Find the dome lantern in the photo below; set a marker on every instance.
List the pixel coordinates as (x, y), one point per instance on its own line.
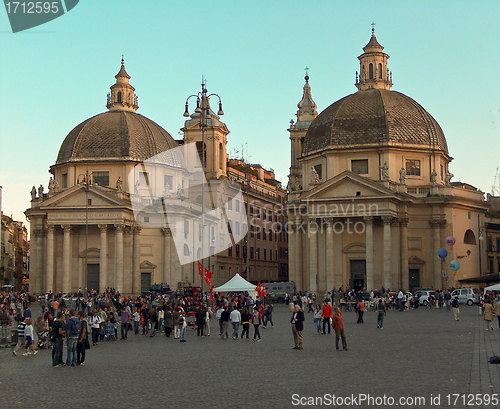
(307, 107)
(122, 96)
(373, 71)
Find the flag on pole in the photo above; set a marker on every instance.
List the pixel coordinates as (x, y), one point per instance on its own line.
(200, 269)
(258, 289)
(208, 277)
(263, 290)
(212, 293)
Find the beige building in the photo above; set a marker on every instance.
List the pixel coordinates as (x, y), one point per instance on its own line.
(128, 206)
(370, 198)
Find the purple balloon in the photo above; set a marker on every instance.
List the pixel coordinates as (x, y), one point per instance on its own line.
(450, 241)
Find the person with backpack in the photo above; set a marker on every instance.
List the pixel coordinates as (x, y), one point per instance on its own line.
(73, 330)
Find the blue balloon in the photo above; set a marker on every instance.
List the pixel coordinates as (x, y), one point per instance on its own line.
(442, 253)
(455, 265)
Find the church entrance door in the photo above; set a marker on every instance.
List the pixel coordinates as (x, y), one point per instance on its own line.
(414, 280)
(358, 275)
(93, 277)
(145, 282)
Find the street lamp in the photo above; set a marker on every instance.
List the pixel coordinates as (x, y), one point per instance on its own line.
(203, 108)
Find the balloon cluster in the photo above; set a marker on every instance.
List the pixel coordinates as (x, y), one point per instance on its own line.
(443, 253)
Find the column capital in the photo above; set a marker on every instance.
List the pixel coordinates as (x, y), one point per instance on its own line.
(119, 227)
(369, 219)
(437, 223)
(38, 232)
(136, 229)
(387, 219)
(66, 228)
(403, 221)
(49, 227)
(166, 231)
(102, 227)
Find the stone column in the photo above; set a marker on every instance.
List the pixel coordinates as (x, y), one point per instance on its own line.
(292, 237)
(167, 237)
(387, 220)
(330, 281)
(35, 274)
(39, 265)
(119, 258)
(436, 274)
(370, 280)
(103, 258)
(405, 272)
(66, 278)
(313, 256)
(136, 261)
(299, 268)
(49, 285)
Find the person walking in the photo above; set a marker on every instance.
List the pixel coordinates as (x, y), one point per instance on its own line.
(21, 339)
(28, 334)
(488, 311)
(169, 322)
(73, 330)
(297, 321)
(58, 339)
(125, 318)
(381, 313)
(361, 311)
(447, 300)
(268, 315)
(326, 314)
(224, 319)
(257, 322)
(338, 326)
(83, 339)
(235, 318)
(317, 318)
(176, 317)
(245, 322)
(182, 326)
(456, 310)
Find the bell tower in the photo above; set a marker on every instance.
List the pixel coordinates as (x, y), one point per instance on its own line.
(373, 71)
(122, 96)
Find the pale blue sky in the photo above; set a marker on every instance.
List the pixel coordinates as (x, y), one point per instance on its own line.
(443, 54)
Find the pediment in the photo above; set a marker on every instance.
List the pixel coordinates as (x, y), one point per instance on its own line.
(348, 185)
(147, 265)
(415, 260)
(77, 196)
(355, 248)
(90, 253)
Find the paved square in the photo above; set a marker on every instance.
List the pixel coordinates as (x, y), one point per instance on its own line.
(419, 353)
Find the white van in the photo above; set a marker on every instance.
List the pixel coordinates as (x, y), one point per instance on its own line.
(466, 295)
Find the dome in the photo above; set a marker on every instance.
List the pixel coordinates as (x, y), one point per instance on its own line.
(114, 136)
(374, 117)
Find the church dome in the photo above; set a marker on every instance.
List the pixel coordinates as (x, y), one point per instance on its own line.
(374, 117)
(119, 134)
(115, 135)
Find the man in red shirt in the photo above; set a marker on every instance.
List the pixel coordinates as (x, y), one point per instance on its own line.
(361, 311)
(326, 314)
(338, 326)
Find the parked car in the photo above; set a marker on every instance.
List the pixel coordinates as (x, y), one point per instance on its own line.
(466, 295)
(425, 297)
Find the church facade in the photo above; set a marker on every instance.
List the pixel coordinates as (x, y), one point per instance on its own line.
(371, 199)
(128, 206)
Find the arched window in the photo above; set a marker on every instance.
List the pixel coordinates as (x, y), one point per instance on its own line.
(469, 237)
(380, 71)
(370, 71)
(221, 156)
(119, 96)
(186, 250)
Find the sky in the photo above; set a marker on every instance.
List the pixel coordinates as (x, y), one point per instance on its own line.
(443, 54)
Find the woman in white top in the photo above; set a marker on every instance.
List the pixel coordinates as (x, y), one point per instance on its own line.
(95, 323)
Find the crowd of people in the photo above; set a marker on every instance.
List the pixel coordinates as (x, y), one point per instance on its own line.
(80, 319)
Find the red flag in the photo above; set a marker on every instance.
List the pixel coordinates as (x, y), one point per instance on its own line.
(200, 268)
(263, 291)
(212, 293)
(258, 289)
(208, 277)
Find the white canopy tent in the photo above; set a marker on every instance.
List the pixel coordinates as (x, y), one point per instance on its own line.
(237, 283)
(495, 287)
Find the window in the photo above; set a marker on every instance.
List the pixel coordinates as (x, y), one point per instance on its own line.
(199, 232)
(258, 232)
(245, 252)
(251, 252)
(380, 71)
(186, 250)
(168, 180)
(230, 205)
(144, 178)
(270, 235)
(64, 180)
(146, 219)
(119, 96)
(319, 170)
(359, 166)
(237, 227)
(276, 255)
(257, 253)
(265, 252)
(237, 206)
(264, 235)
(469, 237)
(370, 70)
(230, 252)
(270, 255)
(101, 178)
(186, 228)
(412, 167)
(270, 215)
(442, 172)
(491, 263)
(230, 227)
(237, 250)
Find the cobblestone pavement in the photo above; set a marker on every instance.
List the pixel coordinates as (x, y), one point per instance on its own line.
(419, 353)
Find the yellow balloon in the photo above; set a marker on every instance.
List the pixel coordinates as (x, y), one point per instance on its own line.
(454, 273)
